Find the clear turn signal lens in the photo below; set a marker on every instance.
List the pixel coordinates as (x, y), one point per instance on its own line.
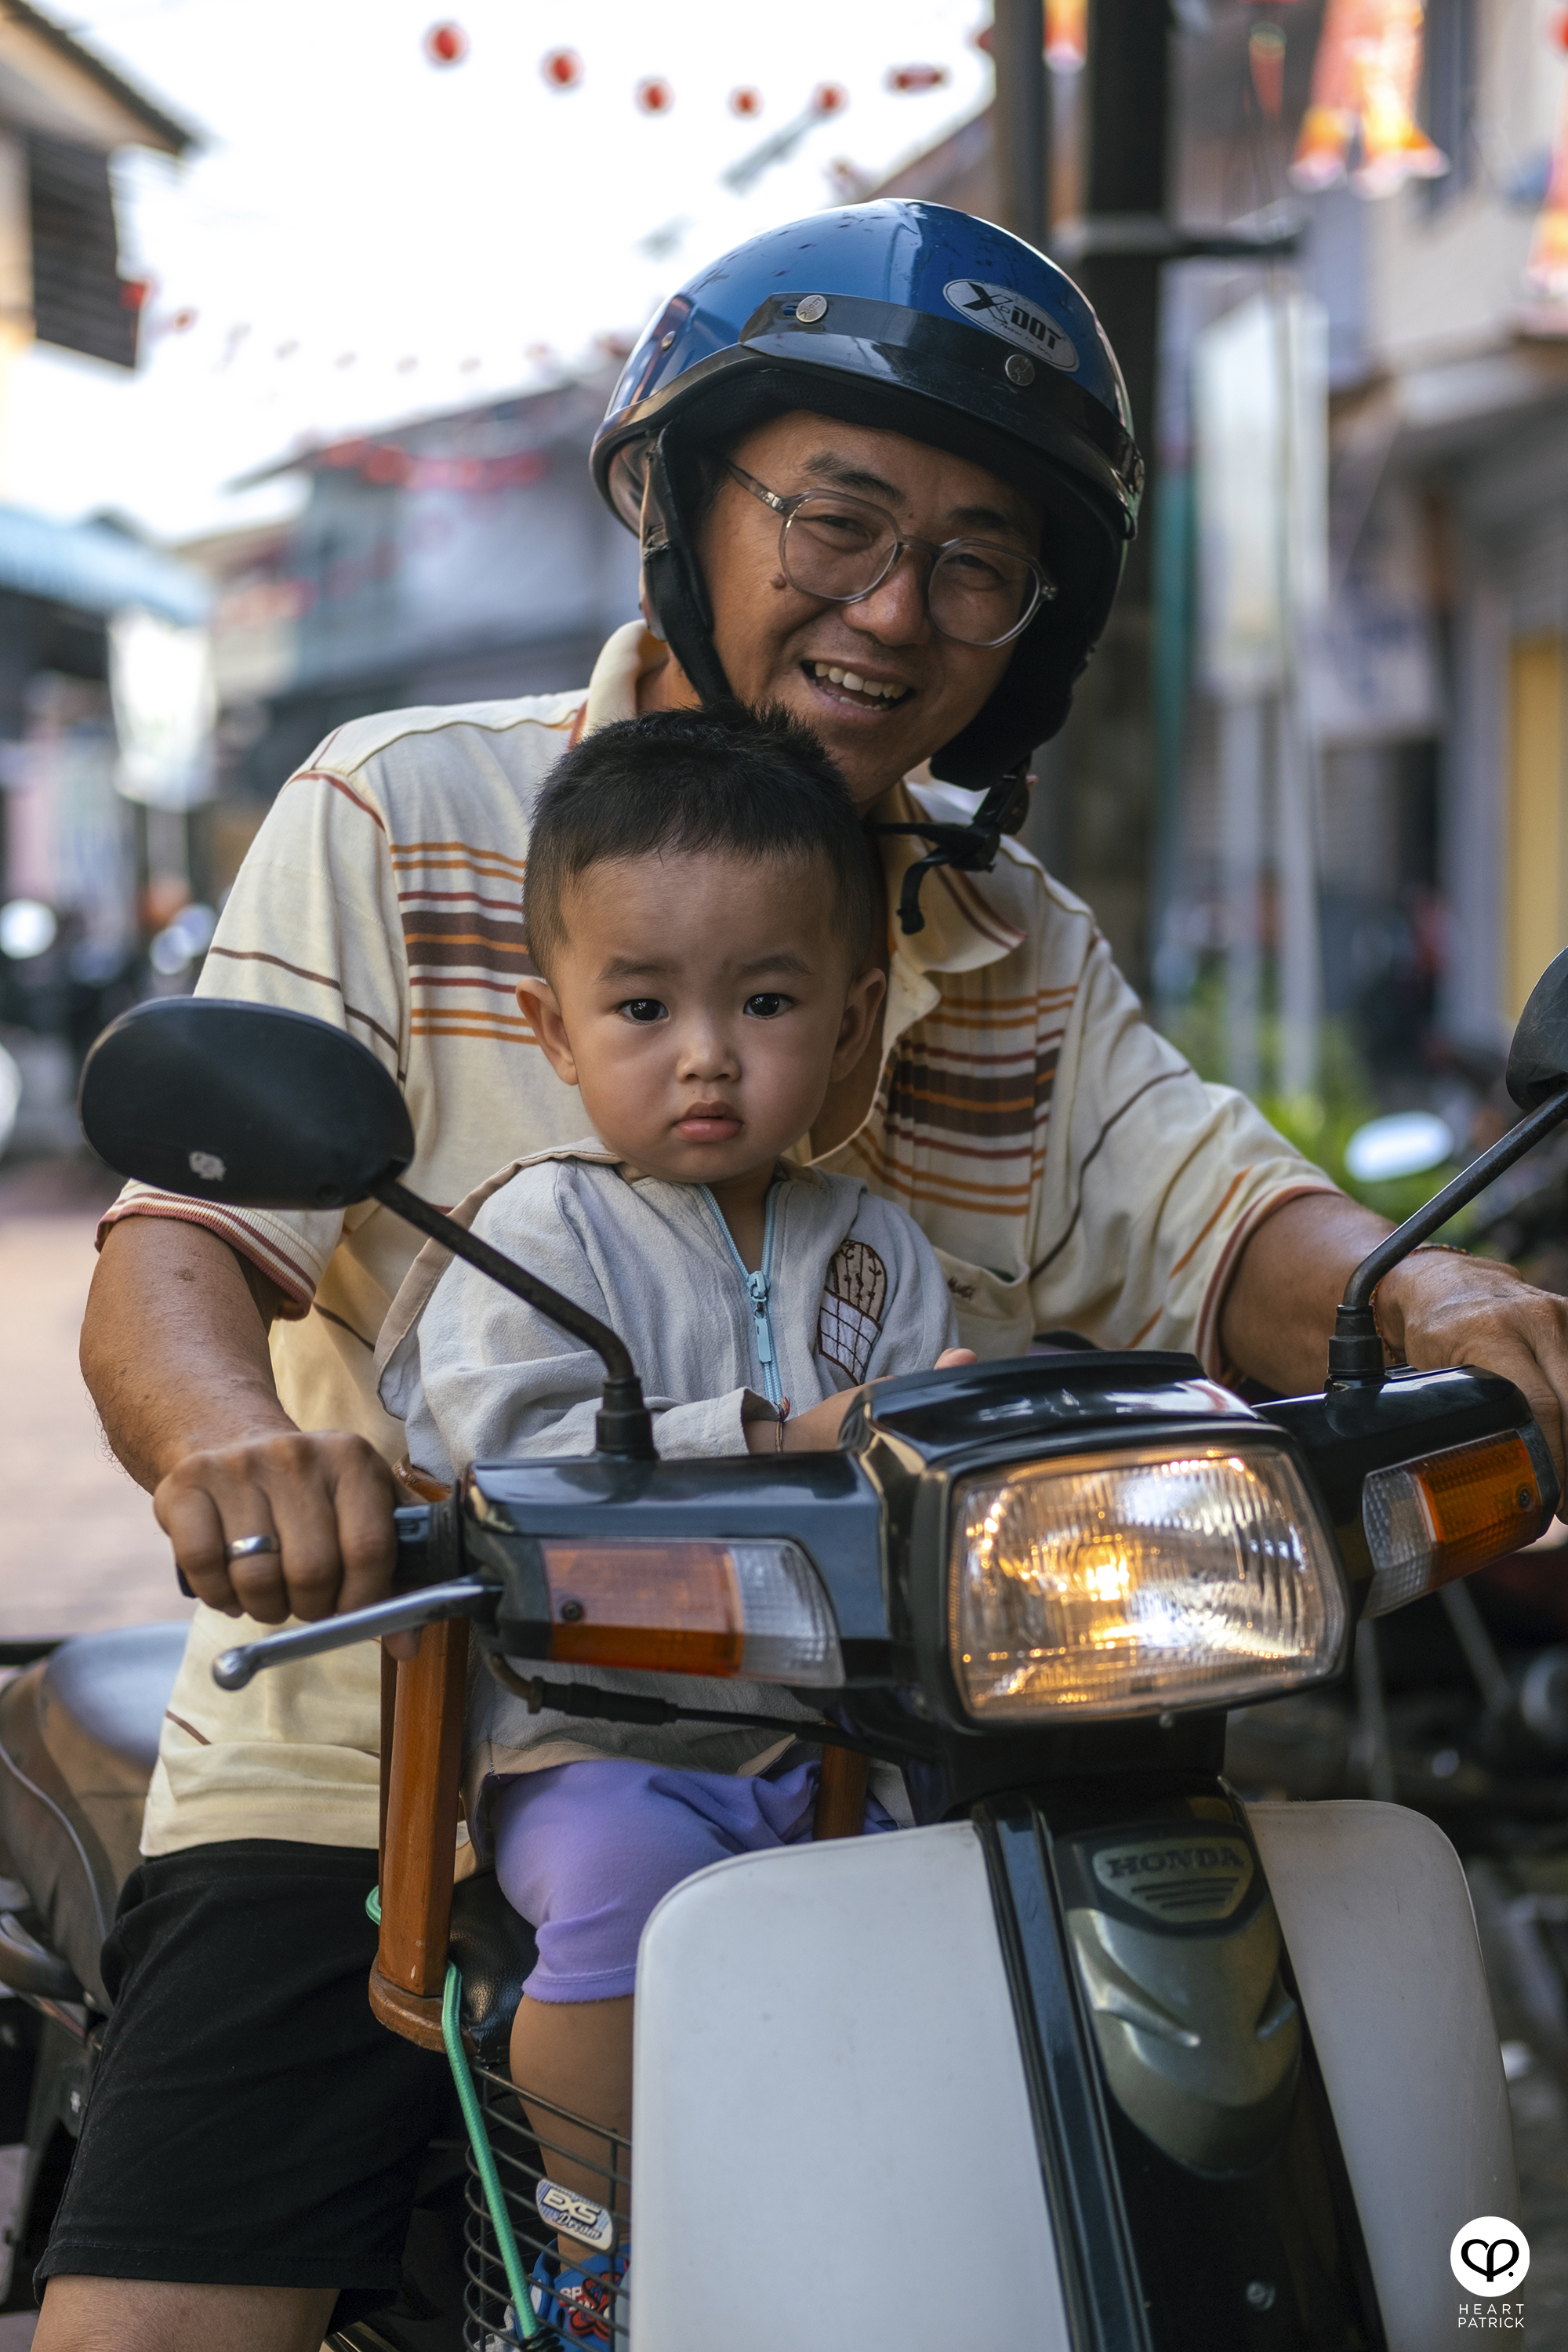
(1128, 1582)
(697, 1608)
(1430, 1521)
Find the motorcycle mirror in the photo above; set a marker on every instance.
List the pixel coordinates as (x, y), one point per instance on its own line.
(1537, 1058)
(261, 1108)
(243, 1104)
(1538, 1081)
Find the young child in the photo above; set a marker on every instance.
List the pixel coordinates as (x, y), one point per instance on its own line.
(701, 904)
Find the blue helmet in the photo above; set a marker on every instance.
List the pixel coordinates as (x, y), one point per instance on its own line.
(931, 323)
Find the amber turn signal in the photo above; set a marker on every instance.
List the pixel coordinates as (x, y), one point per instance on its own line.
(702, 1607)
(1429, 1521)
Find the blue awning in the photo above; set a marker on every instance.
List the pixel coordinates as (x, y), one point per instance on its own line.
(95, 568)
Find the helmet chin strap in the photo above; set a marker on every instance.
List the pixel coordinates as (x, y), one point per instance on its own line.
(674, 585)
(971, 847)
(678, 597)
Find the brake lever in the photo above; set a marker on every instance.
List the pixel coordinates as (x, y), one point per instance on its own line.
(467, 1596)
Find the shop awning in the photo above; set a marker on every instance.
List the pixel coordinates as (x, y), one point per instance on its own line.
(95, 568)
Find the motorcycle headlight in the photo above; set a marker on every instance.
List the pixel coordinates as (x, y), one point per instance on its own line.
(1121, 1583)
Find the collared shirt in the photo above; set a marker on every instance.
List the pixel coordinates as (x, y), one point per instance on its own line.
(1067, 1165)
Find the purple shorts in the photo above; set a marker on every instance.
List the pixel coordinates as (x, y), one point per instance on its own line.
(583, 1852)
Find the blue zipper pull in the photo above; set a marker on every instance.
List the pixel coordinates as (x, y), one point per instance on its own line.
(757, 1285)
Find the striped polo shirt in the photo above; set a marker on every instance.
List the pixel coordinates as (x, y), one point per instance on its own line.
(1067, 1165)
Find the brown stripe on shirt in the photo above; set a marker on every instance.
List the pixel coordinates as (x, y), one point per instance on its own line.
(435, 936)
(456, 899)
(967, 1105)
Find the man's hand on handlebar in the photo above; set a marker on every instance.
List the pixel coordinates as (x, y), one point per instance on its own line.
(174, 1352)
(1442, 1309)
(327, 1498)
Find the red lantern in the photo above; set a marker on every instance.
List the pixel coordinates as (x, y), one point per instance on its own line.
(745, 101)
(1559, 31)
(916, 77)
(561, 68)
(655, 95)
(446, 44)
(829, 98)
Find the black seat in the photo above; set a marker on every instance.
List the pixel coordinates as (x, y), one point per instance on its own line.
(78, 1738)
(494, 1951)
(112, 1689)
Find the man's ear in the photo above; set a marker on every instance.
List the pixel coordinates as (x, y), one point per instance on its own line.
(861, 1007)
(536, 1002)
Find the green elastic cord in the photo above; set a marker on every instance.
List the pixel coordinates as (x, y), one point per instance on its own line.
(528, 2319)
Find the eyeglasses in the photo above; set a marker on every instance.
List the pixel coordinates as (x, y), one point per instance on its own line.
(842, 549)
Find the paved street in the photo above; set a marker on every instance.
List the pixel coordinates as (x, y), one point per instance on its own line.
(78, 1545)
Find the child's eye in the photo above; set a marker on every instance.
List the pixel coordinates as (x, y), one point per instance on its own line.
(642, 1008)
(767, 1006)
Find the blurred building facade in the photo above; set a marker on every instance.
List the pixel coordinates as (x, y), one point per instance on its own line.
(76, 853)
(1432, 787)
(462, 558)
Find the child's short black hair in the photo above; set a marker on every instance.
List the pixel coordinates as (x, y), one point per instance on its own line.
(749, 785)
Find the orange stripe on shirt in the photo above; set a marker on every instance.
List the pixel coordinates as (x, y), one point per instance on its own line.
(1204, 1232)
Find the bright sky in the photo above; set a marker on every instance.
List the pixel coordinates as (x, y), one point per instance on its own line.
(367, 236)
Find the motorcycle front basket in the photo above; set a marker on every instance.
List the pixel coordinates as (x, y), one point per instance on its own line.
(527, 2158)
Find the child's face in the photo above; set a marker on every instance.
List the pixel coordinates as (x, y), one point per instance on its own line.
(702, 1005)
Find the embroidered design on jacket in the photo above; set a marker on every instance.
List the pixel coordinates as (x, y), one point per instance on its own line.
(850, 1321)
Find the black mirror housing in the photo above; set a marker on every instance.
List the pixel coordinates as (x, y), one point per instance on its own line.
(243, 1104)
(1537, 1058)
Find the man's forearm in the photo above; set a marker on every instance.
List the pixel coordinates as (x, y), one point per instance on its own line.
(174, 1345)
(1279, 1312)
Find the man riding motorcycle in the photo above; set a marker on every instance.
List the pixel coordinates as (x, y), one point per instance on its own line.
(823, 441)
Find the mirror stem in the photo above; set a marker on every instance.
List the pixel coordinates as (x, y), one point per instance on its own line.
(625, 1428)
(1355, 1352)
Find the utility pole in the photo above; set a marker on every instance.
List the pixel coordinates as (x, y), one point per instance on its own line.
(1095, 815)
(1126, 235)
(1099, 821)
(1022, 118)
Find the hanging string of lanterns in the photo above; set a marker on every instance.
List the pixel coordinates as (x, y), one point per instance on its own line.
(446, 44)
(390, 466)
(561, 69)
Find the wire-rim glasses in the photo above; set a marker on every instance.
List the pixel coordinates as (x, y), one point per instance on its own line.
(842, 549)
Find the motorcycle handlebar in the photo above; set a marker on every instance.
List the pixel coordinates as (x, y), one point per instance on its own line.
(467, 1596)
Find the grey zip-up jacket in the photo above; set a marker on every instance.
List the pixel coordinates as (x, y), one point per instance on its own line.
(849, 1290)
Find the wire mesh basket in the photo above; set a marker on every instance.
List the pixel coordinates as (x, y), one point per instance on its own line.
(530, 2150)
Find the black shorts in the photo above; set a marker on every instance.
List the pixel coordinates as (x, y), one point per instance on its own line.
(250, 2123)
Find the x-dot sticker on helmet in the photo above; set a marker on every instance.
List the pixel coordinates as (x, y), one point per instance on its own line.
(1002, 312)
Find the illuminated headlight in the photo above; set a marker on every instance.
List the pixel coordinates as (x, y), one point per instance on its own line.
(1127, 1583)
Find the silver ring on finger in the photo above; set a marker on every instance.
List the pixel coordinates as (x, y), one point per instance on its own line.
(251, 1547)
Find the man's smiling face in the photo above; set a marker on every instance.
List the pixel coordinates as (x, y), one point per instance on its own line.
(876, 683)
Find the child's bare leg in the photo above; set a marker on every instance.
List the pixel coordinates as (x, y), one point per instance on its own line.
(577, 2055)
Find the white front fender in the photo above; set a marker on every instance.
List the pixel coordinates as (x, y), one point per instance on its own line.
(833, 2143)
(1377, 1920)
